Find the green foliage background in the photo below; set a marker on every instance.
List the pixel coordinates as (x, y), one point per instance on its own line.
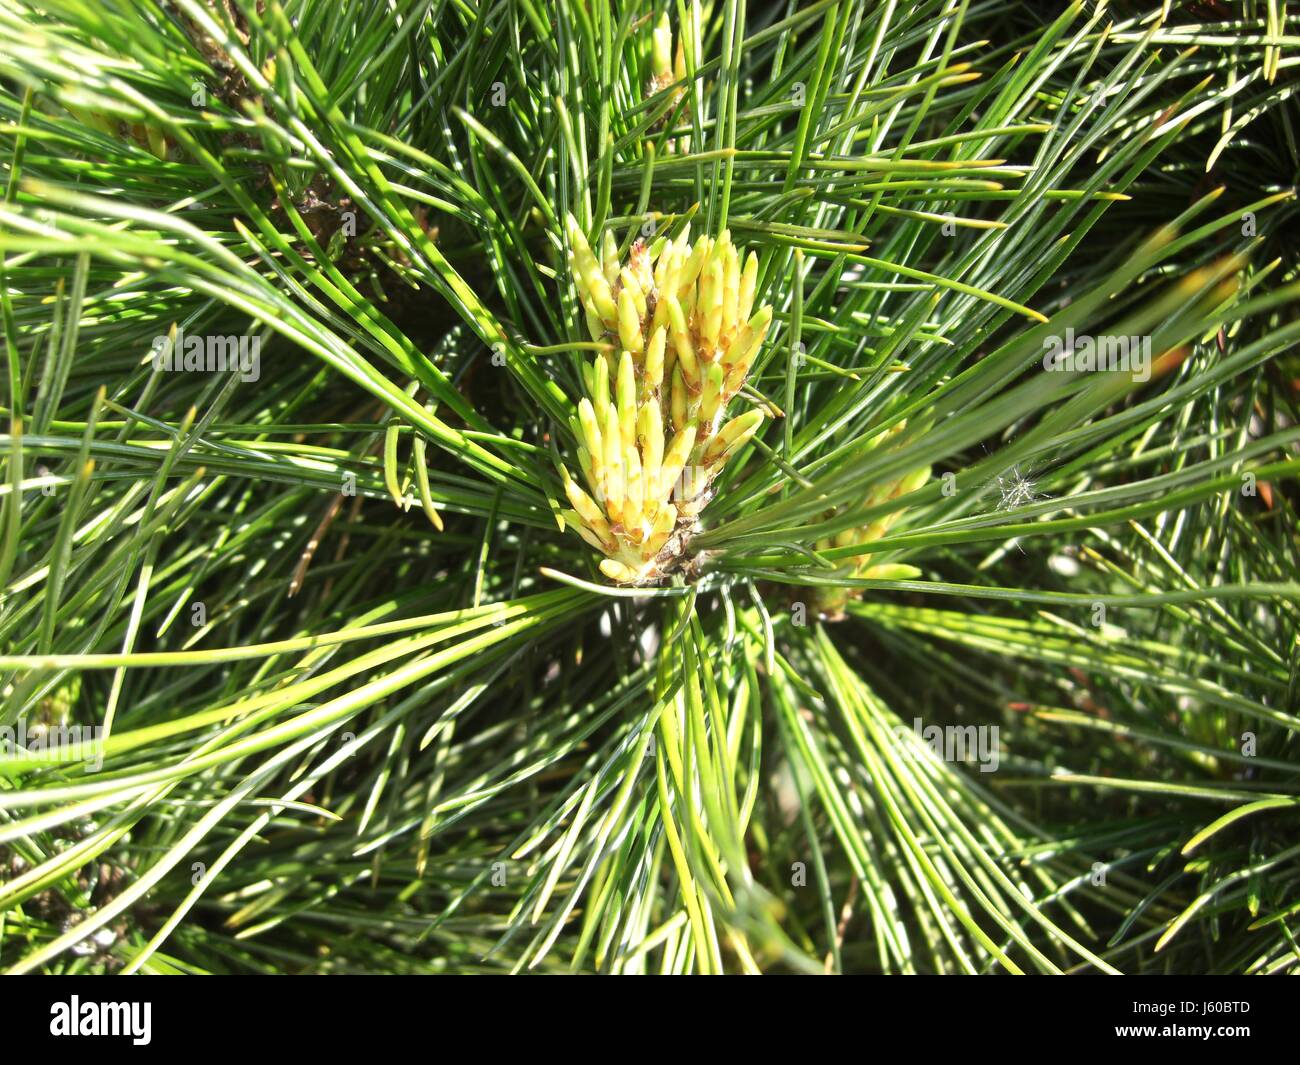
(340, 739)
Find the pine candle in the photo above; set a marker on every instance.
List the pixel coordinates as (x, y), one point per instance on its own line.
(652, 427)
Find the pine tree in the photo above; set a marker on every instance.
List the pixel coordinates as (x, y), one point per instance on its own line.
(589, 487)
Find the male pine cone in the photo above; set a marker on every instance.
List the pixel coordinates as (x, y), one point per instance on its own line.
(652, 427)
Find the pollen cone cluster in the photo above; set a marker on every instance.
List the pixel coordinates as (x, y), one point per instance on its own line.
(831, 600)
(652, 426)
